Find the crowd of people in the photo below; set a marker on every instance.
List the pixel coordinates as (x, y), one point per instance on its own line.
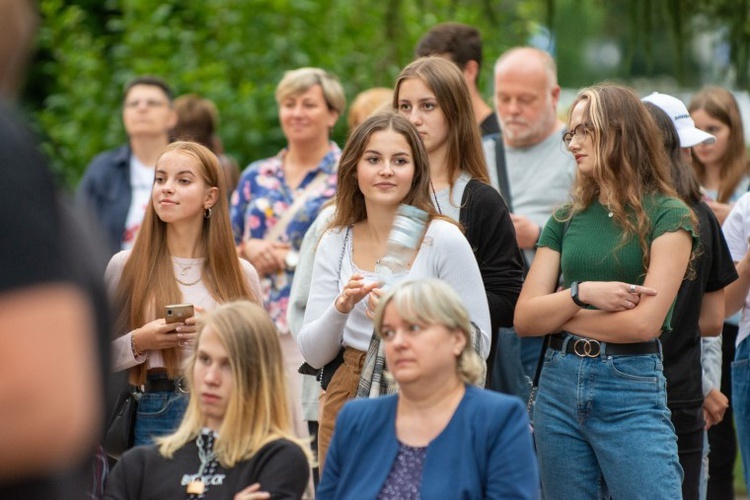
(571, 322)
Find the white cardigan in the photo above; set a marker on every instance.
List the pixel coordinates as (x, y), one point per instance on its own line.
(444, 254)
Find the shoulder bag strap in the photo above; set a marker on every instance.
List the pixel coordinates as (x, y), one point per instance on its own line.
(291, 211)
(502, 170)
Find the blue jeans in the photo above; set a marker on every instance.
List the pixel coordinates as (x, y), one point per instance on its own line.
(741, 402)
(508, 375)
(159, 413)
(602, 428)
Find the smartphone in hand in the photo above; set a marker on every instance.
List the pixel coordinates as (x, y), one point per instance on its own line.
(178, 313)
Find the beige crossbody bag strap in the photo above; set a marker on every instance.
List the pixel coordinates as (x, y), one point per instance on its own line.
(280, 227)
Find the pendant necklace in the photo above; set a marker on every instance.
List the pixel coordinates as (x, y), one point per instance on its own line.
(197, 486)
(183, 273)
(184, 270)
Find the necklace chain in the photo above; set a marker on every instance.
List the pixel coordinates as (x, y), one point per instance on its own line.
(190, 283)
(183, 273)
(184, 270)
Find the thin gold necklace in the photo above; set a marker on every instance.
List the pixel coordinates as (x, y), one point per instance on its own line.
(183, 273)
(189, 284)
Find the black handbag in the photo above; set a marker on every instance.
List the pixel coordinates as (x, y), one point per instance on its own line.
(121, 426)
(325, 374)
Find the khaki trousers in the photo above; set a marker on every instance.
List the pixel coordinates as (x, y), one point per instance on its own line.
(341, 388)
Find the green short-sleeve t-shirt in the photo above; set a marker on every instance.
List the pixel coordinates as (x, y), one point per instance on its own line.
(592, 248)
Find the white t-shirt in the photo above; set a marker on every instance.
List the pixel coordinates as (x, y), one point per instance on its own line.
(451, 207)
(141, 182)
(540, 178)
(736, 230)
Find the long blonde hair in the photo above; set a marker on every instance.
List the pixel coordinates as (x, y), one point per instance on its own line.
(258, 410)
(148, 282)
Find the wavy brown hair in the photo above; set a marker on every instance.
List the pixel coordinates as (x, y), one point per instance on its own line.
(350, 202)
(630, 162)
(465, 153)
(721, 105)
(148, 283)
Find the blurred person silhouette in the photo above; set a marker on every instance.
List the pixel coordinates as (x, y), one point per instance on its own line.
(116, 186)
(722, 168)
(278, 198)
(722, 165)
(198, 121)
(236, 438)
(403, 445)
(54, 326)
(367, 103)
(699, 306)
(462, 45)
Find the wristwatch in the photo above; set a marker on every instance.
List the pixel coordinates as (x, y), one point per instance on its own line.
(574, 294)
(291, 260)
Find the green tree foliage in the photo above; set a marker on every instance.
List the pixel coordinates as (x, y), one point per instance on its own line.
(235, 52)
(232, 51)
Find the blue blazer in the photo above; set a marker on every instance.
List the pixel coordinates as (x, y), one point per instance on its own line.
(485, 451)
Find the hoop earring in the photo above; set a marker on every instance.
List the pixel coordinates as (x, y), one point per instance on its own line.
(208, 212)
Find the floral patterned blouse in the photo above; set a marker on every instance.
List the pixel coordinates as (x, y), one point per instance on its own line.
(258, 203)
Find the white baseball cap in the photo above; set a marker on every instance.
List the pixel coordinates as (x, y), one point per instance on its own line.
(689, 135)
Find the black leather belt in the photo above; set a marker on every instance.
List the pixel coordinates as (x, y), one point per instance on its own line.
(163, 384)
(591, 348)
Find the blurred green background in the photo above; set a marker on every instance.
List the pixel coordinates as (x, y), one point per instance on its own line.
(235, 51)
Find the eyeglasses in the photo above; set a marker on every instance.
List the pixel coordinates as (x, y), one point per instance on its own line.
(581, 130)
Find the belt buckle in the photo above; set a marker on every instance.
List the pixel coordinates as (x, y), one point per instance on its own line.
(587, 348)
(180, 385)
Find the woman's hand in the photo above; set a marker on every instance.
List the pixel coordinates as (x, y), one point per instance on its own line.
(266, 256)
(187, 332)
(372, 302)
(715, 404)
(612, 296)
(354, 291)
(157, 334)
(252, 492)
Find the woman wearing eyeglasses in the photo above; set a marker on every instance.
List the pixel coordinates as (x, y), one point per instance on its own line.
(623, 244)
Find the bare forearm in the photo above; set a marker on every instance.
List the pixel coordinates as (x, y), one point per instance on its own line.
(544, 314)
(736, 292)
